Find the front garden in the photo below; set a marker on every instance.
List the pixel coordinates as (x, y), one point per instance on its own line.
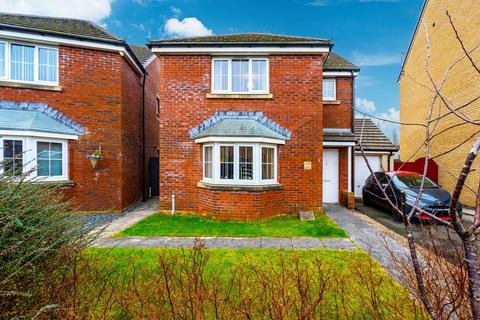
(286, 226)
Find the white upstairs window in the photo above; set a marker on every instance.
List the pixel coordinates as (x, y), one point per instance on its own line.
(28, 63)
(240, 75)
(329, 90)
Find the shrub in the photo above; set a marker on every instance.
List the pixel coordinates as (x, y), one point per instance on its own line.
(38, 238)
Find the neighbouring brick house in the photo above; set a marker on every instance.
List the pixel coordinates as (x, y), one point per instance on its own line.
(68, 88)
(253, 125)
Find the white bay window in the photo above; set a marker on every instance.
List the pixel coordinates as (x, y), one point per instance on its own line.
(28, 63)
(240, 75)
(240, 163)
(41, 159)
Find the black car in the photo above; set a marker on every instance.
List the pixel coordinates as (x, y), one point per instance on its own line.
(434, 199)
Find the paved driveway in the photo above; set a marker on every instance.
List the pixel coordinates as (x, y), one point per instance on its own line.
(421, 232)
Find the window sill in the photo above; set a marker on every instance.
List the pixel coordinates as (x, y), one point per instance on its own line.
(29, 86)
(331, 101)
(239, 95)
(233, 187)
(57, 184)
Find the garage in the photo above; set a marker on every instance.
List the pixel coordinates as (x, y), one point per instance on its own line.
(362, 172)
(378, 150)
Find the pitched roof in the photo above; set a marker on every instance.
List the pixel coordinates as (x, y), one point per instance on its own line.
(240, 124)
(39, 117)
(60, 26)
(371, 137)
(242, 39)
(335, 62)
(142, 53)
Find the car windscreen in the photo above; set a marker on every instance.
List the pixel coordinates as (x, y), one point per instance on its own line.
(412, 181)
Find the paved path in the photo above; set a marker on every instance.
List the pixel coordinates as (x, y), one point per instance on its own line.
(368, 238)
(226, 242)
(141, 212)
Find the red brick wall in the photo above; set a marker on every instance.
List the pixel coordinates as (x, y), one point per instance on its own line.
(340, 115)
(151, 118)
(131, 136)
(91, 95)
(295, 82)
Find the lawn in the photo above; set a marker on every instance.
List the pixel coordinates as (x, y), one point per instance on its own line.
(257, 283)
(287, 226)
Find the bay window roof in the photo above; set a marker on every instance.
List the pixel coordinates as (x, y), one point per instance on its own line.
(240, 124)
(37, 117)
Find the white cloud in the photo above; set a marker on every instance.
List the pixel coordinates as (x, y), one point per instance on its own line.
(389, 128)
(94, 10)
(188, 27)
(375, 59)
(365, 105)
(176, 11)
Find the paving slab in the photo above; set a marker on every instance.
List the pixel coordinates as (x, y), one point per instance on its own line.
(226, 242)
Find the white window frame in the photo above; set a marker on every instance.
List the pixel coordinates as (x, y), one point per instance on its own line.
(30, 157)
(257, 164)
(334, 98)
(24, 147)
(6, 59)
(8, 48)
(250, 76)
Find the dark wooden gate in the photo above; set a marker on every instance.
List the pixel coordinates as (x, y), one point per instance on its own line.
(154, 176)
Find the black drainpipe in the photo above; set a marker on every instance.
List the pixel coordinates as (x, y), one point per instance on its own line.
(353, 129)
(144, 197)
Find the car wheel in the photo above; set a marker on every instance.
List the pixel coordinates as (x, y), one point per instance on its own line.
(366, 201)
(396, 215)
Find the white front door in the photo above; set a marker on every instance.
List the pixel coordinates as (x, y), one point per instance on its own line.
(362, 172)
(330, 175)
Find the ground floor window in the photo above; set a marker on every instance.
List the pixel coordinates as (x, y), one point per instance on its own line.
(44, 159)
(240, 163)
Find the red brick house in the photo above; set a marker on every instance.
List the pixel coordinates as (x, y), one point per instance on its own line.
(68, 88)
(253, 125)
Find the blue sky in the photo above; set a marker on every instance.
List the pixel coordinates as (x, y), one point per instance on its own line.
(371, 33)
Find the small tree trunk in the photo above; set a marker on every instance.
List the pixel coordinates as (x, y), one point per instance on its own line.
(471, 258)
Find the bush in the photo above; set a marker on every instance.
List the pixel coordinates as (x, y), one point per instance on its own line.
(38, 238)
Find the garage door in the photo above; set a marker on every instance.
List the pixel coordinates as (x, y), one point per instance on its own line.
(362, 172)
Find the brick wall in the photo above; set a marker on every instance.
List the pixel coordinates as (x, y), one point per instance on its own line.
(151, 117)
(462, 86)
(91, 95)
(295, 82)
(340, 115)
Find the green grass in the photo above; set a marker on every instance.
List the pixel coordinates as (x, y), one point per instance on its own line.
(194, 226)
(355, 270)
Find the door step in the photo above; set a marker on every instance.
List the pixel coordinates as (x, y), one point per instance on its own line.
(307, 215)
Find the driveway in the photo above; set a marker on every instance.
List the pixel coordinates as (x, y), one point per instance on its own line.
(422, 232)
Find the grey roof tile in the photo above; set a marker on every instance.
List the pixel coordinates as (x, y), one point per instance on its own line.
(143, 53)
(244, 38)
(62, 26)
(337, 134)
(240, 124)
(336, 62)
(40, 117)
(371, 137)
